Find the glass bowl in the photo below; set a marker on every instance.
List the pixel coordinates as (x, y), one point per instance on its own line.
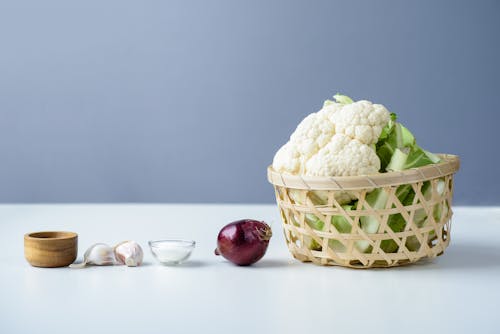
(171, 252)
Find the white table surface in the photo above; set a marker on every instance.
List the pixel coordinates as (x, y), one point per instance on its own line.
(458, 292)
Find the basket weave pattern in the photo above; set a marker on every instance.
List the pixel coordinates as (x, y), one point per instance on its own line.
(424, 238)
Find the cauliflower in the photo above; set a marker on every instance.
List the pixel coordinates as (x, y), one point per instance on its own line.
(361, 120)
(313, 133)
(338, 140)
(347, 138)
(343, 156)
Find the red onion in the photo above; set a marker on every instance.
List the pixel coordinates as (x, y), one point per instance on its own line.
(243, 242)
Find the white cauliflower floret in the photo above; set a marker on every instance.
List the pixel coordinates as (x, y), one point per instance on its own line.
(313, 133)
(338, 140)
(288, 159)
(343, 156)
(361, 120)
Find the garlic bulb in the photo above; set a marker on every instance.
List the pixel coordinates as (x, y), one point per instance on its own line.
(98, 254)
(129, 253)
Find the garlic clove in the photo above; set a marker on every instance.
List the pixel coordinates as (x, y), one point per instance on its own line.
(129, 253)
(98, 254)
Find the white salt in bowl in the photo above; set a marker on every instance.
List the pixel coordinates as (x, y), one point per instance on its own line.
(171, 252)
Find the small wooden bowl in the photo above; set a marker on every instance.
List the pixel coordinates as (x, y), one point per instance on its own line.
(50, 249)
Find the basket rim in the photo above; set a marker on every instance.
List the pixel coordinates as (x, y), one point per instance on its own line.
(449, 165)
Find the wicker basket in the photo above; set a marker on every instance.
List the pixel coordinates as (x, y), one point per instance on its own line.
(424, 222)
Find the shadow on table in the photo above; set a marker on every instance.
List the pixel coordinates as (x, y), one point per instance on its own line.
(193, 264)
(459, 256)
(274, 263)
(187, 264)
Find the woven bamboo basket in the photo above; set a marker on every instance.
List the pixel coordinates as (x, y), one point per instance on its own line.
(424, 224)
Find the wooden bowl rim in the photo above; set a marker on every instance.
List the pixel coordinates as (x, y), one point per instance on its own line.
(57, 235)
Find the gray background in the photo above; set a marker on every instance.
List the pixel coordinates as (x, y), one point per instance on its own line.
(187, 101)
